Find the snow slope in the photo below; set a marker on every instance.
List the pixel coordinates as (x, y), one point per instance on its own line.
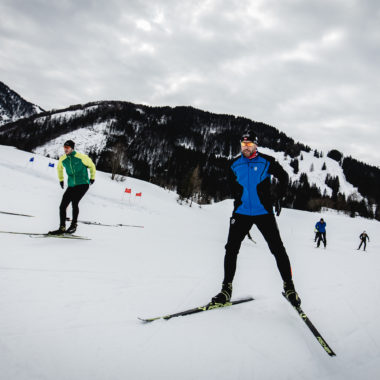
(317, 176)
(69, 308)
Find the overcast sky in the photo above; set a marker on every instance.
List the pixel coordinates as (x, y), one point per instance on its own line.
(310, 68)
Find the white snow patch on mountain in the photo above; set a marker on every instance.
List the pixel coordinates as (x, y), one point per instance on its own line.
(65, 115)
(312, 166)
(93, 138)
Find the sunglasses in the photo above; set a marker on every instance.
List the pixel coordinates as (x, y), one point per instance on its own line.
(247, 143)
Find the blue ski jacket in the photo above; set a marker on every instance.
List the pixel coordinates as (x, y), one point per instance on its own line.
(321, 227)
(250, 180)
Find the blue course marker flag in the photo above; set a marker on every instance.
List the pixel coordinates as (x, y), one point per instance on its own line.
(31, 159)
(51, 165)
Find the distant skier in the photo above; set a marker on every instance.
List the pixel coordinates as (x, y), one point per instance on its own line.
(363, 237)
(76, 165)
(321, 232)
(251, 184)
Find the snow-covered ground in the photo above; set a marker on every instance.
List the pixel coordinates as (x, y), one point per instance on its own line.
(69, 308)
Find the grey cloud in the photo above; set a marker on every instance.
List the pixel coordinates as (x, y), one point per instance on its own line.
(310, 68)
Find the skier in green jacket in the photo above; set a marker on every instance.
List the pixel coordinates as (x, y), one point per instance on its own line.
(77, 166)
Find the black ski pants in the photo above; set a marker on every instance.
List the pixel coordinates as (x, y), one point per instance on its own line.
(72, 195)
(322, 237)
(365, 244)
(239, 227)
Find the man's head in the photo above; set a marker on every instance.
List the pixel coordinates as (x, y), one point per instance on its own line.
(68, 146)
(322, 221)
(248, 144)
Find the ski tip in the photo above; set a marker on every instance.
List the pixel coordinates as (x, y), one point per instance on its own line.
(244, 299)
(147, 320)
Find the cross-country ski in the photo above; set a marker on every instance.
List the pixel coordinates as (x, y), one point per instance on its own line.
(198, 309)
(104, 224)
(47, 235)
(312, 328)
(15, 214)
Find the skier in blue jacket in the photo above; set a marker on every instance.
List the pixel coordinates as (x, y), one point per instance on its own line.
(251, 186)
(321, 232)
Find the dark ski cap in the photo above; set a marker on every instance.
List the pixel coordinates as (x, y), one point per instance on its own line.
(249, 136)
(69, 143)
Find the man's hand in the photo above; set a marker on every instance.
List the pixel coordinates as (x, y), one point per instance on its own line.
(92, 181)
(61, 183)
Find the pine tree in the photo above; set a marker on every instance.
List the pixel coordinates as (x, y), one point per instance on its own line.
(117, 158)
(335, 155)
(195, 185)
(295, 165)
(190, 186)
(183, 189)
(333, 183)
(377, 212)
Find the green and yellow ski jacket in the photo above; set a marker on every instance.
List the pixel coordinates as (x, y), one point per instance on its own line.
(76, 165)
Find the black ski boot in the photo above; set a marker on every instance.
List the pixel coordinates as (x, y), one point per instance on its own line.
(61, 230)
(72, 228)
(224, 296)
(291, 294)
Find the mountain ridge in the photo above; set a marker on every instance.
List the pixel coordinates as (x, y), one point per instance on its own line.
(165, 145)
(14, 107)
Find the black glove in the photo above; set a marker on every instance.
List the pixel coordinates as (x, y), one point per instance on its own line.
(92, 181)
(61, 183)
(277, 207)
